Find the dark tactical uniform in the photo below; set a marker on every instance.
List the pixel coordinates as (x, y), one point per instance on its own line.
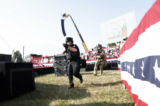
(100, 60)
(73, 67)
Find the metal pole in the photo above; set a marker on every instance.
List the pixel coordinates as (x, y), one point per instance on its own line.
(83, 43)
(77, 30)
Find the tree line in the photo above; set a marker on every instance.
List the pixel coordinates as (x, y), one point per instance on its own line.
(17, 57)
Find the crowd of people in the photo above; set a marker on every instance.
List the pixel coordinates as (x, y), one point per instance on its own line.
(110, 52)
(114, 52)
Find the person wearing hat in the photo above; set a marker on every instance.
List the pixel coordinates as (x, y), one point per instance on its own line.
(122, 42)
(100, 59)
(73, 60)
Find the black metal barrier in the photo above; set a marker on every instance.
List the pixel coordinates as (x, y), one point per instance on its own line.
(89, 67)
(83, 63)
(42, 71)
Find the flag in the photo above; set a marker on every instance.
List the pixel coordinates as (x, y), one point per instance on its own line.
(140, 65)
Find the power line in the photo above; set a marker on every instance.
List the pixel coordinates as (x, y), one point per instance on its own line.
(6, 43)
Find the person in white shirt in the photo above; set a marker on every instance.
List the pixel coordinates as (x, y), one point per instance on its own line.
(107, 49)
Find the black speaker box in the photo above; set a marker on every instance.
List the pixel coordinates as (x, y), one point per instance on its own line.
(60, 65)
(15, 79)
(5, 58)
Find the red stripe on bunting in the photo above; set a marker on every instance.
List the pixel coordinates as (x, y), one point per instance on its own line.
(151, 17)
(134, 97)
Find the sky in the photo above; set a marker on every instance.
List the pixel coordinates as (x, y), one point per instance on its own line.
(36, 24)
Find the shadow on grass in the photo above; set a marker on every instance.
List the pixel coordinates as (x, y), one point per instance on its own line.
(104, 104)
(107, 84)
(58, 92)
(91, 73)
(46, 93)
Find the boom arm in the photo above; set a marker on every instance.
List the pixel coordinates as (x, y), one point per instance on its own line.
(84, 45)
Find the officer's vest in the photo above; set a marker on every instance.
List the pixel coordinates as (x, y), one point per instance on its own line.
(73, 55)
(100, 51)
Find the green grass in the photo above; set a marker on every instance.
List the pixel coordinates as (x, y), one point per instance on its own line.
(104, 90)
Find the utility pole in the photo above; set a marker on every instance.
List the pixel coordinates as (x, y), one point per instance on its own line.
(23, 53)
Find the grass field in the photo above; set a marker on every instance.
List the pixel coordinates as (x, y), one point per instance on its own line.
(104, 90)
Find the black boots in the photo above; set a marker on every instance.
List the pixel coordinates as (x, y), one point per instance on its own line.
(71, 86)
(81, 81)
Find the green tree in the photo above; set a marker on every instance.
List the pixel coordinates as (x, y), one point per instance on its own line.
(111, 44)
(17, 55)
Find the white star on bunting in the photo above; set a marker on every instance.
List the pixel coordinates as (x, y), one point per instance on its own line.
(133, 70)
(157, 71)
(128, 68)
(142, 68)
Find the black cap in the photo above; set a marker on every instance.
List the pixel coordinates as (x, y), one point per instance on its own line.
(68, 39)
(99, 45)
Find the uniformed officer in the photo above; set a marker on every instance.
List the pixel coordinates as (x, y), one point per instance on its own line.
(73, 59)
(100, 59)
